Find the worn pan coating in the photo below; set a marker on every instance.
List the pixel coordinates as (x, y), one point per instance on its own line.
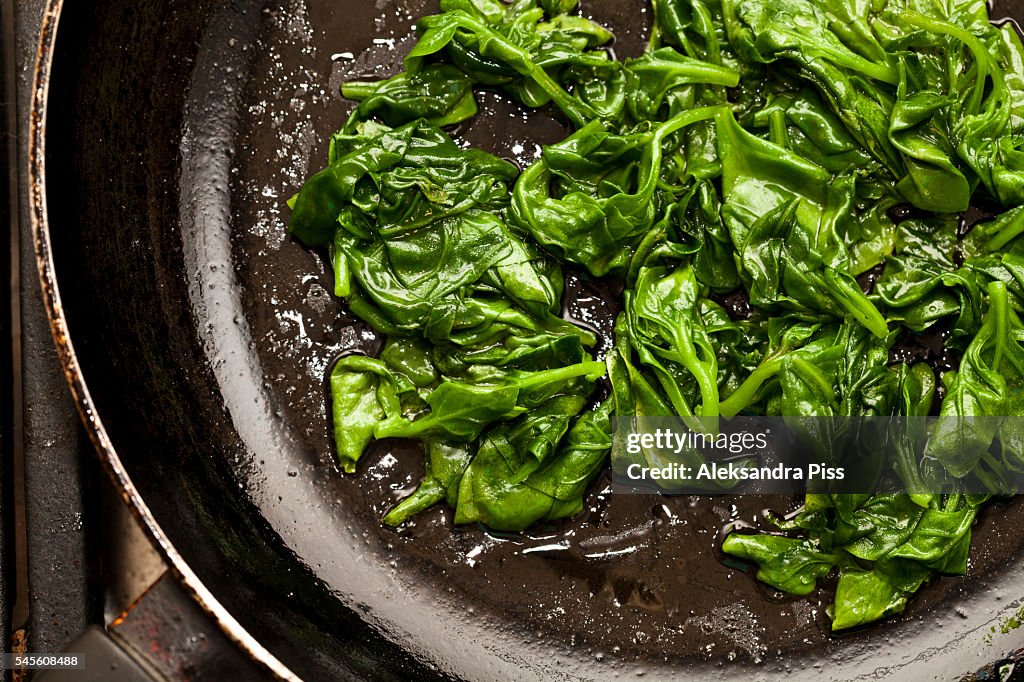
(196, 337)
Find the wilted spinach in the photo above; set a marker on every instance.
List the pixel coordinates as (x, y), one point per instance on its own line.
(761, 149)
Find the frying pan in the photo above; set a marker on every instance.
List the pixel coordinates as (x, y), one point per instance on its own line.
(196, 337)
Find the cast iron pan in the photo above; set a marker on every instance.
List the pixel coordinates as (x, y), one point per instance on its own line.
(167, 136)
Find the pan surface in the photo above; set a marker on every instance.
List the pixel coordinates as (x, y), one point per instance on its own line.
(174, 131)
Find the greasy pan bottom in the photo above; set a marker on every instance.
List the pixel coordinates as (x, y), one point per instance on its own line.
(174, 132)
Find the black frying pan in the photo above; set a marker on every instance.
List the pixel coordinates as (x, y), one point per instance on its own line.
(166, 137)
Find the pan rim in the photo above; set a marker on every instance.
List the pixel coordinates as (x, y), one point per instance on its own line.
(102, 444)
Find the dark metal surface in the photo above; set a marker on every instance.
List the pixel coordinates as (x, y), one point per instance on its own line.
(55, 578)
(174, 636)
(52, 602)
(201, 336)
(106, 660)
(8, 237)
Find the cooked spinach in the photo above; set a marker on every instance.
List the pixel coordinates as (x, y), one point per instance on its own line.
(759, 148)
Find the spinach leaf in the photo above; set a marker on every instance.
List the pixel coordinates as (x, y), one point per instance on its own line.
(362, 393)
(988, 385)
(921, 283)
(866, 596)
(514, 47)
(459, 411)
(932, 180)
(940, 540)
(917, 390)
(445, 465)
(669, 337)
(762, 30)
(786, 269)
(442, 95)
(591, 198)
(787, 564)
(653, 77)
(493, 490)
